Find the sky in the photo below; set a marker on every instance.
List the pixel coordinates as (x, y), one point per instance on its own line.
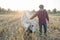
(29, 4)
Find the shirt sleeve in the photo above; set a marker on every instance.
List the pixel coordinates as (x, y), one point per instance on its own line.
(34, 15)
(47, 16)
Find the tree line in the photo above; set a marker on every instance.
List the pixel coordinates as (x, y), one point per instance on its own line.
(54, 11)
(6, 11)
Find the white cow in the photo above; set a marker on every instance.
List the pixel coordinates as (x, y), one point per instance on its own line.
(28, 23)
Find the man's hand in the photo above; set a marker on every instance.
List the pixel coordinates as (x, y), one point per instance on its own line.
(48, 21)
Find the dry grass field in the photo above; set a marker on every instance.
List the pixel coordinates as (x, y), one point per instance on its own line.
(11, 28)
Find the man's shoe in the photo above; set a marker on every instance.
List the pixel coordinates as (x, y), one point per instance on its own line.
(40, 34)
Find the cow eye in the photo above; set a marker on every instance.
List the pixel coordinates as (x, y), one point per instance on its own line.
(32, 25)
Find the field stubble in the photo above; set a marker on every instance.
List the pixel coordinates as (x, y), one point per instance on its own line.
(11, 29)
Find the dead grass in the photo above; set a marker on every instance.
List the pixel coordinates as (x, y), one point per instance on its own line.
(11, 28)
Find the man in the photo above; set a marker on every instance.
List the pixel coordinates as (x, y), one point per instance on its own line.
(42, 16)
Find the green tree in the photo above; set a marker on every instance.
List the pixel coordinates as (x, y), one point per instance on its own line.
(54, 10)
(49, 11)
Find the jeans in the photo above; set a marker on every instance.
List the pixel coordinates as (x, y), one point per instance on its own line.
(45, 27)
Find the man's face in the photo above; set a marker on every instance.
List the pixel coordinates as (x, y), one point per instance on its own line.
(41, 7)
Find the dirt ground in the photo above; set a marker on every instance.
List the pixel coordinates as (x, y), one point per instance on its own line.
(11, 28)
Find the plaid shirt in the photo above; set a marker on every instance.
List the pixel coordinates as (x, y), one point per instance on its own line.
(42, 16)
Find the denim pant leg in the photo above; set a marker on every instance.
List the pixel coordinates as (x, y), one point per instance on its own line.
(40, 28)
(45, 27)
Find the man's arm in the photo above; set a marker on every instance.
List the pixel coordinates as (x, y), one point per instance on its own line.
(34, 16)
(47, 16)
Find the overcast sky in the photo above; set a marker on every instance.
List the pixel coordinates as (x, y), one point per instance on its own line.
(29, 4)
